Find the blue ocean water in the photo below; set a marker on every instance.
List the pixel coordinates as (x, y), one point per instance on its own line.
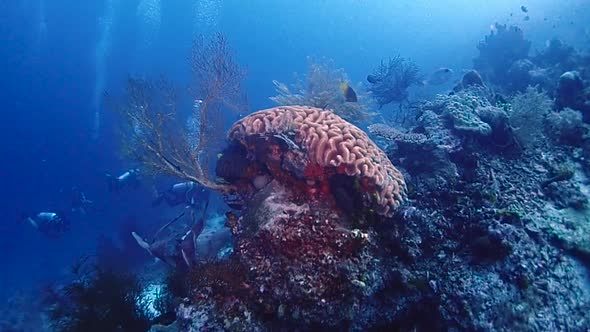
(58, 57)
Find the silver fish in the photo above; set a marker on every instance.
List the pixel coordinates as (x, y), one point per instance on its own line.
(440, 76)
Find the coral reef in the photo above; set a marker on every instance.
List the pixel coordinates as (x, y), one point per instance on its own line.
(558, 69)
(320, 88)
(482, 224)
(306, 248)
(425, 160)
(470, 113)
(488, 238)
(395, 135)
(303, 263)
(473, 238)
(308, 261)
(497, 233)
(446, 128)
(390, 81)
(464, 116)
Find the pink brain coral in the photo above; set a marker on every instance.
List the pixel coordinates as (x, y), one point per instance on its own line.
(328, 141)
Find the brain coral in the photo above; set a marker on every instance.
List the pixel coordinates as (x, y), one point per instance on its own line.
(330, 141)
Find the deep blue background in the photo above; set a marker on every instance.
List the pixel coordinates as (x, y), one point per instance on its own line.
(48, 78)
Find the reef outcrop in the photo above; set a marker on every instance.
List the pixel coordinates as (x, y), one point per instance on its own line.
(498, 205)
(313, 191)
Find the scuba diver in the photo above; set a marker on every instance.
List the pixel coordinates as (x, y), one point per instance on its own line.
(79, 202)
(50, 224)
(178, 249)
(127, 179)
(188, 193)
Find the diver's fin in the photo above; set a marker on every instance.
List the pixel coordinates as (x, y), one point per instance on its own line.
(205, 207)
(23, 217)
(141, 242)
(187, 248)
(159, 254)
(198, 225)
(32, 222)
(168, 224)
(185, 258)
